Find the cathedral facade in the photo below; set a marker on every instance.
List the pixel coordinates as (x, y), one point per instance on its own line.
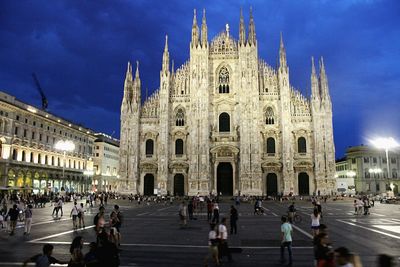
(227, 122)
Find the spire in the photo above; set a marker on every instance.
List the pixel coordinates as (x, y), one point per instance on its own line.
(252, 29)
(136, 85)
(282, 54)
(128, 76)
(165, 60)
(195, 31)
(323, 81)
(204, 38)
(242, 30)
(314, 82)
(137, 70)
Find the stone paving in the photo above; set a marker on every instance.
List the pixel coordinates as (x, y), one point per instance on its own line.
(152, 236)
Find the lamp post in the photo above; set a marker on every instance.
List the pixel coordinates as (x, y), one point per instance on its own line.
(385, 143)
(64, 146)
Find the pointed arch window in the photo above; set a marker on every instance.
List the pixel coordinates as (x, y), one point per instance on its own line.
(223, 81)
(179, 147)
(270, 145)
(301, 145)
(149, 148)
(180, 118)
(32, 157)
(269, 116)
(224, 122)
(23, 156)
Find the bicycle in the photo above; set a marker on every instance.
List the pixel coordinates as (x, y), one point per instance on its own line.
(295, 218)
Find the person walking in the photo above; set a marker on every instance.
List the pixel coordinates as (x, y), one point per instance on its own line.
(74, 215)
(28, 219)
(233, 220)
(286, 240)
(212, 246)
(45, 259)
(323, 251)
(13, 214)
(215, 218)
(223, 248)
(81, 216)
(182, 214)
(342, 257)
(315, 217)
(60, 204)
(75, 250)
(209, 210)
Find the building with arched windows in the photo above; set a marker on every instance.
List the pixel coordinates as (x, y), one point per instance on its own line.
(227, 122)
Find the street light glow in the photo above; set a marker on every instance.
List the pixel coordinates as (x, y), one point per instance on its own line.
(65, 145)
(351, 174)
(384, 143)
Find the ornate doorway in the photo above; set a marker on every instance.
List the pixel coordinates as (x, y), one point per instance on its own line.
(148, 189)
(272, 184)
(225, 179)
(304, 184)
(179, 185)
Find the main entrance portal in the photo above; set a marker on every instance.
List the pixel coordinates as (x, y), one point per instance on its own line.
(304, 184)
(272, 184)
(179, 185)
(225, 179)
(148, 189)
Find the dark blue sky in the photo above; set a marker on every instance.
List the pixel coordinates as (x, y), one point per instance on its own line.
(79, 51)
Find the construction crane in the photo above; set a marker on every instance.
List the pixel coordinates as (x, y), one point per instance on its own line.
(39, 88)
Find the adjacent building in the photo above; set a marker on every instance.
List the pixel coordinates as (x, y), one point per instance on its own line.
(227, 122)
(105, 163)
(369, 167)
(30, 162)
(344, 177)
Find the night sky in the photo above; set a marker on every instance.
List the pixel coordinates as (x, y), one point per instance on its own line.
(79, 51)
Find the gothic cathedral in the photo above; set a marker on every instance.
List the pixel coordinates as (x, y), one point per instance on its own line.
(227, 122)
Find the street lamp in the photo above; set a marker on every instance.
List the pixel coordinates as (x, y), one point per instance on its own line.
(385, 143)
(64, 146)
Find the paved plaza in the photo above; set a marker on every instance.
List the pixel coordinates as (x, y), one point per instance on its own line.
(151, 235)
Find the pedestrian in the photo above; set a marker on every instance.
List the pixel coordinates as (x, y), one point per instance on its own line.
(107, 252)
(213, 242)
(223, 248)
(233, 219)
(182, 214)
(385, 261)
(366, 205)
(28, 219)
(90, 258)
(74, 215)
(323, 251)
(190, 209)
(60, 204)
(209, 210)
(76, 253)
(342, 257)
(81, 216)
(117, 217)
(215, 218)
(45, 259)
(286, 240)
(13, 214)
(315, 217)
(55, 209)
(115, 235)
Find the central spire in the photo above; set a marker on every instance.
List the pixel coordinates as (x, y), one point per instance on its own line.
(195, 31)
(204, 38)
(282, 54)
(242, 30)
(165, 62)
(252, 29)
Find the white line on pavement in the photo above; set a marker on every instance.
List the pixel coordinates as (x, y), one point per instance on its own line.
(370, 229)
(59, 234)
(302, 231)
(166, 208)
(141, 214)
(377, 214)
(273, 213)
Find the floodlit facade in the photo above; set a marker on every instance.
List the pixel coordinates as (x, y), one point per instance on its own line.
(29, 161)
(370, 168)
(227, 122)
(105, 163)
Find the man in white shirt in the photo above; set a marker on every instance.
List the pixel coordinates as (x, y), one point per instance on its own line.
(286, 239)
(223, 249)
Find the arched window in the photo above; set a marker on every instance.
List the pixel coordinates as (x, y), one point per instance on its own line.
(39, 158)
(23, 156)
(301, 145)
(224, 122)
(270, 145)
(179, 147)
(74, 164)
(394, 173)
(149, 147)
(58, 162)
(223, 81)
(45, 160)
(32, 157)
(1, 143)
(180, 118)
(14, 154)
(269, 116)
(52, 160)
